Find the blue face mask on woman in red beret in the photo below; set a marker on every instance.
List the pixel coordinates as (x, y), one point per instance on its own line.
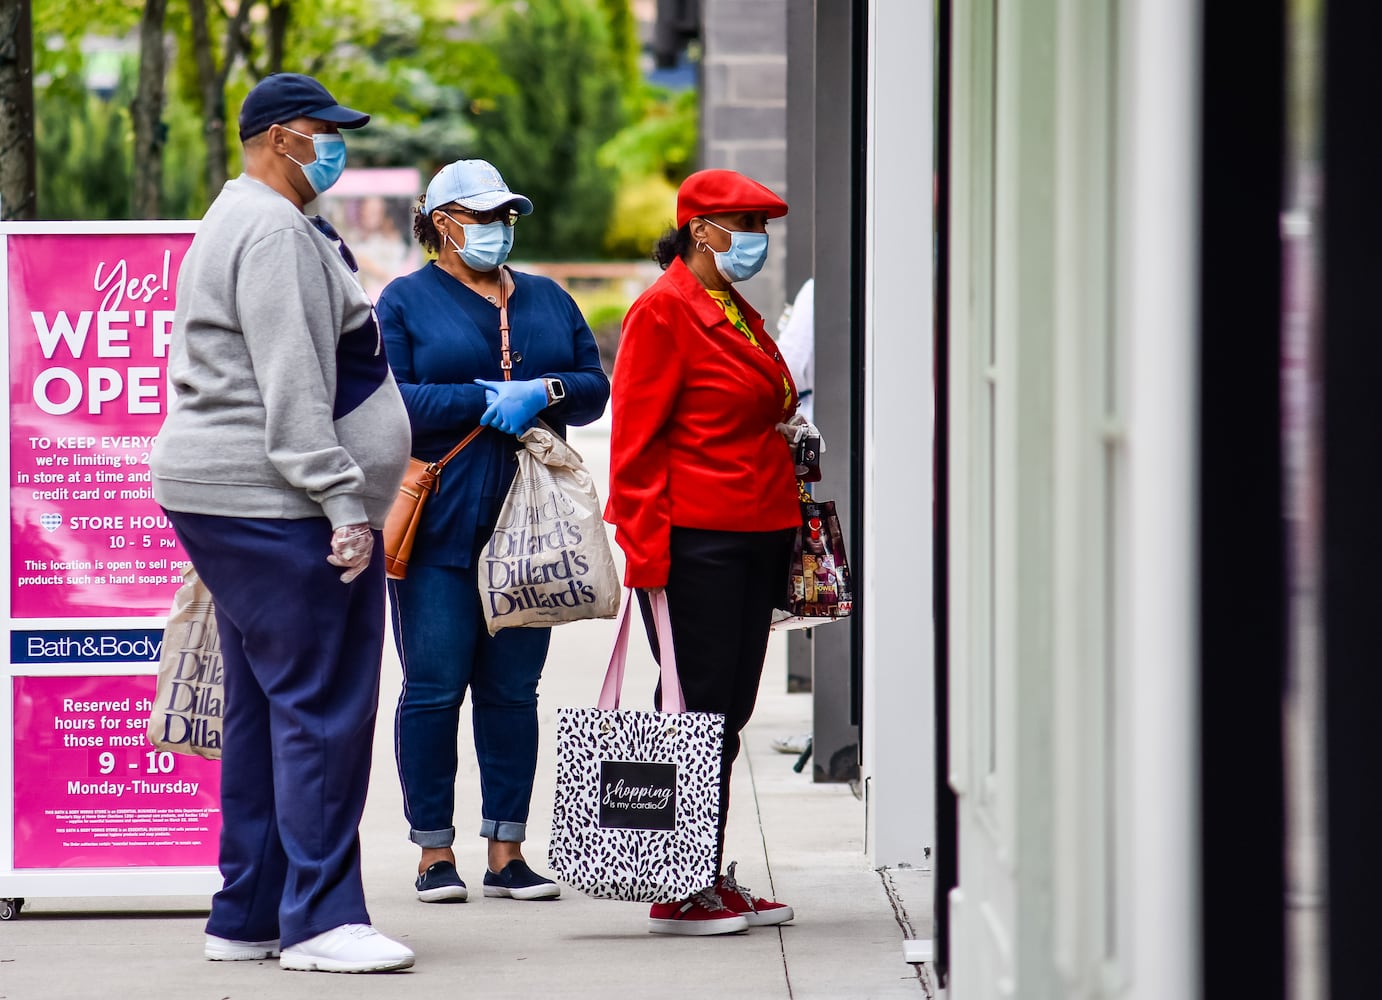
(745, 256)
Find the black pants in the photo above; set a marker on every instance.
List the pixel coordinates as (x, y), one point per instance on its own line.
(721, 592)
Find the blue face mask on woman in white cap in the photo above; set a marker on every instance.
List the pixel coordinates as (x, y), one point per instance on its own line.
(477, 188)
(487, 244)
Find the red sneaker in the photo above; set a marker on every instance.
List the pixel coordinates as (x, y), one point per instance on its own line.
(699, 915)
(758, 912)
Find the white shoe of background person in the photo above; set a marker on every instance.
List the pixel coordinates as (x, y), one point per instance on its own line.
(348, 948)
(792, 744)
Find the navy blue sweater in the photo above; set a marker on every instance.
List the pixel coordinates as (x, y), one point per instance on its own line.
(440, 336)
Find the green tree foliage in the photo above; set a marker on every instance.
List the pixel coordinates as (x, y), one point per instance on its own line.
(545, 134)
(662, 138)
(623, 43)
(547, 89)
(653, 154)
(397, 59)
(85, 139)
(60, 29)
(404, 61)
(85, 154)
(643, 210)
(184, 155)
(83, 157)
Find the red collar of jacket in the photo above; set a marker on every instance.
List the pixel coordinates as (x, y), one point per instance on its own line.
(706, 309)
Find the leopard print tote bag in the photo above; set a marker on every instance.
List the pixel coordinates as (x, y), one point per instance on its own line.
(637, 793)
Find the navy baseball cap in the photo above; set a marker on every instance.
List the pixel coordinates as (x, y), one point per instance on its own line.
(281, 97)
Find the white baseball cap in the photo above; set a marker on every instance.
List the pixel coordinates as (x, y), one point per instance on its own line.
(473, 184)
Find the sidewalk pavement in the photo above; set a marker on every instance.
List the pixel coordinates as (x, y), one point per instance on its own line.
(796, 841)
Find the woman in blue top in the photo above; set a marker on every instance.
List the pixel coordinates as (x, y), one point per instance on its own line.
(442, 334)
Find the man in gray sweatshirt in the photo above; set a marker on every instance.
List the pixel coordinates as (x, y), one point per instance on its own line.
(282, 451)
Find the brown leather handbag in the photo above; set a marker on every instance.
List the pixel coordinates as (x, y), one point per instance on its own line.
(420, 481)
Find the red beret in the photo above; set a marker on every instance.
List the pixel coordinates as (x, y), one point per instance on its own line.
(716, 192)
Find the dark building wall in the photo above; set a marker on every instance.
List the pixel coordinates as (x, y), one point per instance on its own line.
(744, 118)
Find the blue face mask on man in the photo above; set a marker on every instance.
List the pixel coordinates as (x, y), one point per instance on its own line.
(745, 256)
(326, 169)
(487, 245)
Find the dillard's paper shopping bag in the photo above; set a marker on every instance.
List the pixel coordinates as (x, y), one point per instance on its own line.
(548, 560)
(190, 701)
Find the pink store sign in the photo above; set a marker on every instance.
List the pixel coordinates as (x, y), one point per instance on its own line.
(90, 321)
(89, 790)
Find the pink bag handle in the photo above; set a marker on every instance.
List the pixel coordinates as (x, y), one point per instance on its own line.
(673, 701)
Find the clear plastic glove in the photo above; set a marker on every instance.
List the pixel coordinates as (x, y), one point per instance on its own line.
(351, 548)
(798, 429)
(515, 405)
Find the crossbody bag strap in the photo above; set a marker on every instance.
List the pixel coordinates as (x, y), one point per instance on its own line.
(505, 283)
(505, 362)
(441, 462)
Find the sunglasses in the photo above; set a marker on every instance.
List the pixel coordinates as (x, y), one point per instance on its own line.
(508, 216)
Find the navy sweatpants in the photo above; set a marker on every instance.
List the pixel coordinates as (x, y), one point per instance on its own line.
(301, 652)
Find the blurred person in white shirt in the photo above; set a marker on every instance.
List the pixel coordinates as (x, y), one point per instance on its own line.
(796, 339)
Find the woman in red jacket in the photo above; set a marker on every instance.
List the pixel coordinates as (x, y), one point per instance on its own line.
(702, 488)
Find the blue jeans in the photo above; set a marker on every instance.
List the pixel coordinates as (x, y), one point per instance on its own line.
(439, 627)
(301, 653)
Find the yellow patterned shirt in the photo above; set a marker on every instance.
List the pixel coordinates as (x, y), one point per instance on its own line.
(736, 318)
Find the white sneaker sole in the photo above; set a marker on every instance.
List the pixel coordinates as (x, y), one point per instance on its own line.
(223, 950)
(299, 962)
(445, 894)
(698, 928)
(551, 891)
(767, 918)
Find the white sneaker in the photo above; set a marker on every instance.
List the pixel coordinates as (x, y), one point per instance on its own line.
(792, 744)
(219, 949)
(348, 948)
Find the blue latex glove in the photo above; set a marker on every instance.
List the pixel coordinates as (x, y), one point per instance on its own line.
(514, 406)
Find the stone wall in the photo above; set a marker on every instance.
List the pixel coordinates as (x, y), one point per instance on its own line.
(744, 117)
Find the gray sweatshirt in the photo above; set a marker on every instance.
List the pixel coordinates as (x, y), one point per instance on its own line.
(283, 405)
